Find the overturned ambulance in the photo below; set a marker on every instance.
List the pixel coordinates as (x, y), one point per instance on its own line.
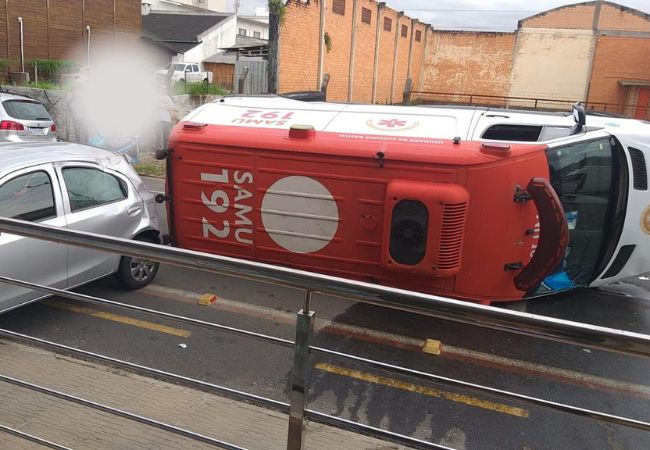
(435, 200)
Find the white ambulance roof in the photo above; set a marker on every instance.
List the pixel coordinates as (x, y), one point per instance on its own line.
(280, 112)
(442, 122)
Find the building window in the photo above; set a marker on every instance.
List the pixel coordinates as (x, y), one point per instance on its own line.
(242, 31)
(338, 7)
(388, 24)
(418, 36)
(405, 31)
(257, 35)
(366, 15)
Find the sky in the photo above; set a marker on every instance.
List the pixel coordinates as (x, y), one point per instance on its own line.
(489, 15)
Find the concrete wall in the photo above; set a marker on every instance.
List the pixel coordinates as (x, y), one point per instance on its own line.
(552, 64)
(467, 63)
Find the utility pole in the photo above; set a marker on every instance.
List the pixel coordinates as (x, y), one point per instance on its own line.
(275, 9)
(237, 7)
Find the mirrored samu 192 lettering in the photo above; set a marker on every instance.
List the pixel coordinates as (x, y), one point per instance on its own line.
(219, 201)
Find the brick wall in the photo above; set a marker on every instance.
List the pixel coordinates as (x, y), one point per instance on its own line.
(337, 59)
(468, 63)
(579, 16)
(298, 50)
(299, 42)
(620, 18)
(403, 44)
(63, 36)
(618, 58)
(484, 63)
(66, 30)
(386, 55)
(417, 56)
(364, 53)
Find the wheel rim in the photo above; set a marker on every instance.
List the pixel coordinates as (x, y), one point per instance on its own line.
(142, 269)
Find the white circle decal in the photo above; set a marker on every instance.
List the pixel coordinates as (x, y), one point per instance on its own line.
(300, 214)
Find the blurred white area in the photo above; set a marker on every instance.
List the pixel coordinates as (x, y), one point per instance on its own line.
(119, 96)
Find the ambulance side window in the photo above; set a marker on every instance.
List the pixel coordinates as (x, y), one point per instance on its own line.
(509, 132)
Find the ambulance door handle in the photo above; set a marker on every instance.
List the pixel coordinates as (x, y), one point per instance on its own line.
(553, 235)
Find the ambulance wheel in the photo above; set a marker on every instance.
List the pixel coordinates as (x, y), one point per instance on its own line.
(136, 273)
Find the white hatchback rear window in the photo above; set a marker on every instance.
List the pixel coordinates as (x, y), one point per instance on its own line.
(26, 110)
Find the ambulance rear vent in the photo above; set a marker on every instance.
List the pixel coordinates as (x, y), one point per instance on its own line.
(639, 169)
(451, 236)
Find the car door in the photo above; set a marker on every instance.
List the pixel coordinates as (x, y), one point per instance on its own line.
(31, 194)
(101, 201)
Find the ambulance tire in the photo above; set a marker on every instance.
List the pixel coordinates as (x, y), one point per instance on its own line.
(136, 273)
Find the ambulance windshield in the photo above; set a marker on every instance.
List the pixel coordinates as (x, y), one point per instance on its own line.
(587, 178)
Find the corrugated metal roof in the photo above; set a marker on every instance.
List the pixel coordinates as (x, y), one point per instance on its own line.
(180, 31)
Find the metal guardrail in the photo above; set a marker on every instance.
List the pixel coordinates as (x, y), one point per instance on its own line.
(511, 321)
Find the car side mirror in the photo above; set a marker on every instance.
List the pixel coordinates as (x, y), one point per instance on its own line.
(579, 117)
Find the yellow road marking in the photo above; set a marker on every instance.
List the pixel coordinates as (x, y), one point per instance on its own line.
(431, 392)
(121, 319)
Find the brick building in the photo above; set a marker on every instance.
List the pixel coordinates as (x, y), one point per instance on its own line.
(597, 52)
(59, 29)
(368, 49)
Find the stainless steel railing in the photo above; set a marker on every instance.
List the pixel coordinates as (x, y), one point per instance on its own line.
(522, 323)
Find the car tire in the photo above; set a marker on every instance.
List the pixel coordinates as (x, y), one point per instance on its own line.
(136, 273)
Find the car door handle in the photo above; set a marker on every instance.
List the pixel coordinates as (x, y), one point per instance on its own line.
(133, 210)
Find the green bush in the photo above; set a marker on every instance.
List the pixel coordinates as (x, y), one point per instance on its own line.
(50, 69)
(198, 89)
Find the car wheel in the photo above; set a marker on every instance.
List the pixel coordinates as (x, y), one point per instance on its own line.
(135, 273)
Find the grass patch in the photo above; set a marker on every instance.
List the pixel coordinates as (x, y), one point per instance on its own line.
(43, 85)
(151, 169)
(198, 89)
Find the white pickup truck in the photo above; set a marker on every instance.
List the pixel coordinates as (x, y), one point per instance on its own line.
(186, 71)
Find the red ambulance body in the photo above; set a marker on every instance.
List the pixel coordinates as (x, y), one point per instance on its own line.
(280, 182)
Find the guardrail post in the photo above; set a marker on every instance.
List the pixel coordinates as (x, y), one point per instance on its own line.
(300, 375)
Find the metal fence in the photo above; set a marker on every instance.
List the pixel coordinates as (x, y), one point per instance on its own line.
(251, 77)
(510, 321)
(426, 97)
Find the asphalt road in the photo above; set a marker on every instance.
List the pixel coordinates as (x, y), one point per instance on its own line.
(434, 412)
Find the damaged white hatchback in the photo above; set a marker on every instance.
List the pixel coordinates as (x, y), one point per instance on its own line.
(80, 188)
